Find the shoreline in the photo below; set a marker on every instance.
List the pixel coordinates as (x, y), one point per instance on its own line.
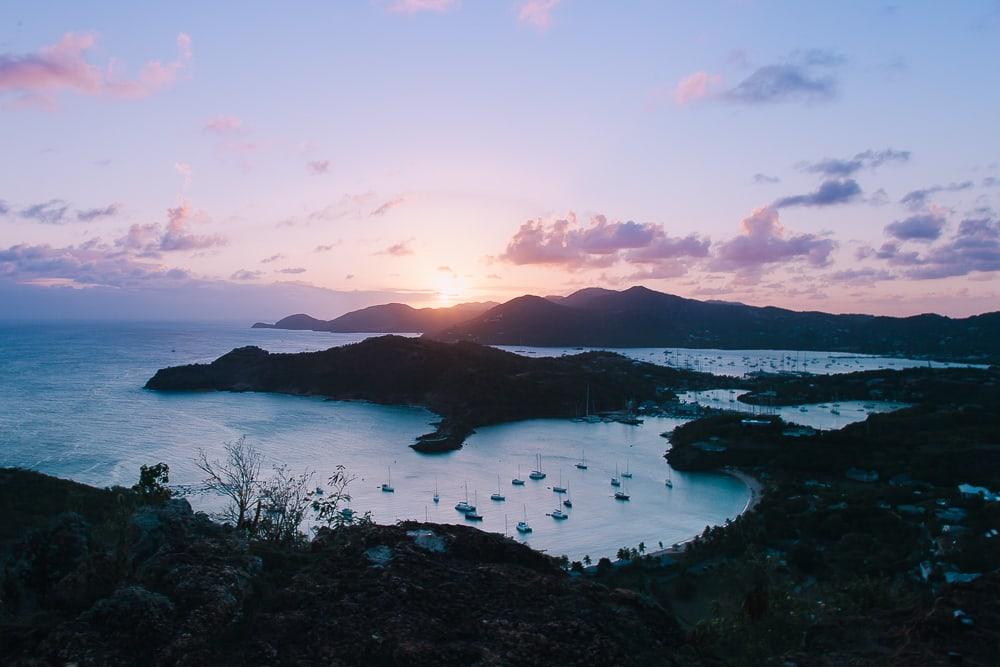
(756, 489)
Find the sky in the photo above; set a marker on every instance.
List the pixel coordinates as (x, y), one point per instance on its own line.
(193, 160)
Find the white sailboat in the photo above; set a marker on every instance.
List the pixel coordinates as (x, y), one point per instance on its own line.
(437, 496)
(560, 488)
(614, 480)
(473, 515)
(463, 505)
(522, 525)
(626, 474)
(558, 514)
(517, 481)
(537, 472)
(582, 463)
(499, 497)
(387, 484)
(568, 502)
(669, 482)
(622, 494)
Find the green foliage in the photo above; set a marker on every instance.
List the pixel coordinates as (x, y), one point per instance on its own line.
(151, 488)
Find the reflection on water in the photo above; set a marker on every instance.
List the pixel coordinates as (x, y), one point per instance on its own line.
(73, 405)
(830, 415)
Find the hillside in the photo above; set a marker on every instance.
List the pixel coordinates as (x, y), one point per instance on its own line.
(385, 318)
(640, 317)
(469, 385)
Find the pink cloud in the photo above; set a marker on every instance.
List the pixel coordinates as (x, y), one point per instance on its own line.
(416, 6)
(537, 13)
(223, 125)
(384, 208)
(400, 249)
(318, 166)
(88, 264)
(150, 240)
(695, 87)
(36, 77)
(599, 244)
(764, 241)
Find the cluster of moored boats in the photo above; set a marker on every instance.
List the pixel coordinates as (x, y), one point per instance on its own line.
(471, 513)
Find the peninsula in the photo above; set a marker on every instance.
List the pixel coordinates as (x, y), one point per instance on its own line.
(468, 385)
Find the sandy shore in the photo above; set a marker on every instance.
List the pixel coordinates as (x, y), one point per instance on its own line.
(756, 492)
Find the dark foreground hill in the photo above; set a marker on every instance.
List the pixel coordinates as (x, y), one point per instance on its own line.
(467, 384)
(94, 579)
(386, 318)
(640, 317)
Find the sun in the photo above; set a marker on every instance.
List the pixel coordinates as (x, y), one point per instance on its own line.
(449, 288)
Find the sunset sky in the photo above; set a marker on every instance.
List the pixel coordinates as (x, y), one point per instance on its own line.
(249, 160)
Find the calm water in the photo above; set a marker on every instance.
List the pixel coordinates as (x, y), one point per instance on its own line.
(737, 363)
(72, 404)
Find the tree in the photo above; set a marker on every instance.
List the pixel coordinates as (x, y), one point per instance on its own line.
(236, 478)
(284, 499)
(586, 560)
(152, 485)
(326, 504)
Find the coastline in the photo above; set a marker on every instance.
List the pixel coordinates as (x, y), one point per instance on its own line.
(756, 489)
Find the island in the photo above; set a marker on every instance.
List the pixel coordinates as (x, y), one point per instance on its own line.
(466, 384)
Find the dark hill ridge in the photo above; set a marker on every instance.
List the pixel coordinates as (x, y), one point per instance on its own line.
(640, 317)
(467, 384)
(386, 318)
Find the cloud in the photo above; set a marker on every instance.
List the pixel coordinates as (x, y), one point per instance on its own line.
(295, 270)
(694, 87)
(416, 6)
(318, 166)
(600, 244)
(224, 125)
(246, 274)
(991, 182)
(764, 179)
(51, 212)
(827, 194)
(537, 13)
(400, 249)
(764, 241)
(974, 247)
(326, 247)
(92, 214)
(349, 276)
(150, 240)
(184, 169)
(917, 199)
(88, 264)
(795, 79)
(35, 78)
(920, 227)
(839, 168)
(863, 276)
(445, 269)
(384, 208)
(4, 207)
(272, 258)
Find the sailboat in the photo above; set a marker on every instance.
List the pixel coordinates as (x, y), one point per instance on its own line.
(522, 525)
(537, 472)
(669, 482)
(560, 488)
(614, 480)
(558, 514)
(517, 481)
(463, 505)
(622, 494)
(473, 515)
(582, 463)
(387, 485)
(437, 496)
(626, 474)
(499, 497)
(568, 502)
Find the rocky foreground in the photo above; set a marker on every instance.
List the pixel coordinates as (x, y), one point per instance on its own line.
(469, 385)
(164, 585)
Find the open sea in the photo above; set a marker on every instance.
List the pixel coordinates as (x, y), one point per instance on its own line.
(72, 405)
